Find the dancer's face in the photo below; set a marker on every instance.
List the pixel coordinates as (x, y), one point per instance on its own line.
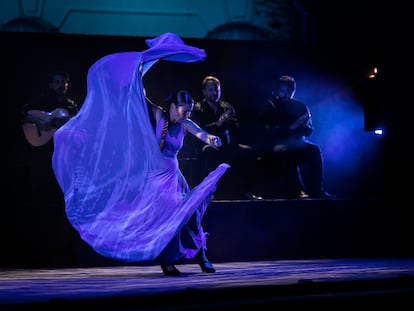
(181, 112)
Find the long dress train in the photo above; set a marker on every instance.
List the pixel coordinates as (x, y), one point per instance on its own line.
(126, 198)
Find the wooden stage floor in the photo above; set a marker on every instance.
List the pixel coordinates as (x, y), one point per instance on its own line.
(263, 285)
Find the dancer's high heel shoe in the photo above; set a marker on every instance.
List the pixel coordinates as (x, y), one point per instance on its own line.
(170, 270)
(205, 265)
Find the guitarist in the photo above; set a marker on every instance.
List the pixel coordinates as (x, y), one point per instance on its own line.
(52, 236)
(44, 115)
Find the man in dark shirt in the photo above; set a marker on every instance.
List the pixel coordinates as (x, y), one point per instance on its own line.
(218, 117)
(287, 125)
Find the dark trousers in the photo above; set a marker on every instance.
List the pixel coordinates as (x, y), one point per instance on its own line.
(300, 161)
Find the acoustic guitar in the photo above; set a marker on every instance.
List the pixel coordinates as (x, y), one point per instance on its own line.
(40, 126)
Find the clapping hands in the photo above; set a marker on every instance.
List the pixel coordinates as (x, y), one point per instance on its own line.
(301, 121)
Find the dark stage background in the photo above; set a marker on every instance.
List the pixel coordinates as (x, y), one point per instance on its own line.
(330, 79)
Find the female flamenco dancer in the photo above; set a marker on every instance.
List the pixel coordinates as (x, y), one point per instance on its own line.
(116, 163)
